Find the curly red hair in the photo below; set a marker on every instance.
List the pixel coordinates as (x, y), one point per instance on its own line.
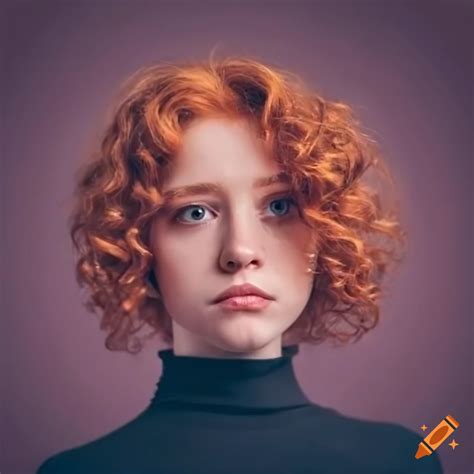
(318, 142)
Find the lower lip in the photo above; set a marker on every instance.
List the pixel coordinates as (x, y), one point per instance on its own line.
(249, 302)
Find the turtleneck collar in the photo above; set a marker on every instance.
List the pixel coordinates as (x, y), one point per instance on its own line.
(236, 383)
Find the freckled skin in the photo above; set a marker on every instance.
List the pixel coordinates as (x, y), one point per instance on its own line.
(259, 231)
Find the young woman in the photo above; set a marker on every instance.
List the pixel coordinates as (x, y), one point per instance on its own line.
(226, 210)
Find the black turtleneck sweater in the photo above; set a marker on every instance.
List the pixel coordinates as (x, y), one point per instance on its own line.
(235, 416)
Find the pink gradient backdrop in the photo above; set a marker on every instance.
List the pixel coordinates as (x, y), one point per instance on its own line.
(406, 68)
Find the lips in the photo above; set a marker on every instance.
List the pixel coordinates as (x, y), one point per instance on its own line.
(242, 290)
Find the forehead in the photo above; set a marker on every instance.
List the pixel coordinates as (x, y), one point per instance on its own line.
(220, 149)
(215, 129)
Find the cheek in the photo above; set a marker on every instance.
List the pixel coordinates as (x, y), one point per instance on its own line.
(292, 254)
(179, 264)
(174, 280)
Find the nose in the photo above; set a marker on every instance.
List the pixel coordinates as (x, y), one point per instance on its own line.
(242, 243)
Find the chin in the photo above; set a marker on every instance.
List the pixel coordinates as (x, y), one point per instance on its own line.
(248, 344)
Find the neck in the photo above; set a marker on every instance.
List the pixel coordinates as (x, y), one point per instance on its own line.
(238, 383)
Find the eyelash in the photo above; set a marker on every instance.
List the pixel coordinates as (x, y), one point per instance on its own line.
(289, 198)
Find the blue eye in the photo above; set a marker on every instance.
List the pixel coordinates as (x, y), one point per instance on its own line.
(290, 202)
(197, 211)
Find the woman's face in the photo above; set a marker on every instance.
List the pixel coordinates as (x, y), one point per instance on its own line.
(206, 242)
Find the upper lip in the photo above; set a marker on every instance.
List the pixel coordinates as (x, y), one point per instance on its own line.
(242, 290)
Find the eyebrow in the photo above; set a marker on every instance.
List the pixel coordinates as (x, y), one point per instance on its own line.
(207, 188)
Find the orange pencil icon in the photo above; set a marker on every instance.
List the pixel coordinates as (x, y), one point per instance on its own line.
(437, 436)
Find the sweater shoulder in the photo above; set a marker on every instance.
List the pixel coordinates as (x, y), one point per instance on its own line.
(58, 463)
(84, 457)
(388, 446)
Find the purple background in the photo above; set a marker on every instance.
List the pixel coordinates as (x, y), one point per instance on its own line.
(407, 70)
